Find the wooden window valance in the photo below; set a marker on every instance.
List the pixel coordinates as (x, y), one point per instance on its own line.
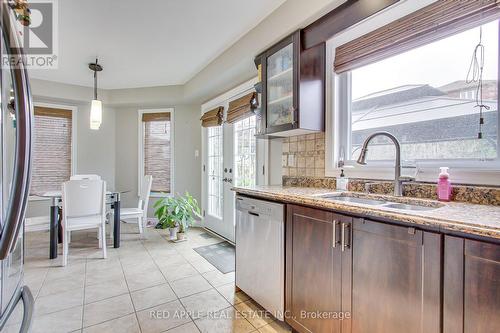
(213, 117)
(438, 20)
(50, 112)
(242, 107)
(157, 116)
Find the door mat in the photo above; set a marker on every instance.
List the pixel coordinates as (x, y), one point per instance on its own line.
(221, 255)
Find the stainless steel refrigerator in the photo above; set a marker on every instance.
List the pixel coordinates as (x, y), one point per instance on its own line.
(15, 150)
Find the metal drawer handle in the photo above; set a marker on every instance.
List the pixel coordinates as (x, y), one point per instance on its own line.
(335, 222)
(344, 245)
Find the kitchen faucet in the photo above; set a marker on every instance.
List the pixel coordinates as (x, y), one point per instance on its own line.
(398, 180)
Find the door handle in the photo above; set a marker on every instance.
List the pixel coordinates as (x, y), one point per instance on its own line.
(254, 214)
(335, 222)
(344, 245)
(24, 118)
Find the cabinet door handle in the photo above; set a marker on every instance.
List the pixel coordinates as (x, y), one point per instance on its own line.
(344, 245)
(335, 222)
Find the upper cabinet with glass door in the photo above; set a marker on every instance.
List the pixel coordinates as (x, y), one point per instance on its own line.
(285, 110)
(280, 92)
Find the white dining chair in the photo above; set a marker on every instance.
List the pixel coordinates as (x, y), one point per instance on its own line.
(84, 207)
(139, 213)
(82, 177)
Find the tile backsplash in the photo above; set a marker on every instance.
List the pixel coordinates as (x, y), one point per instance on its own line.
(304, 156)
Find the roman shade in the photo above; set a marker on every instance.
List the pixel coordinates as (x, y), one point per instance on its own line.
(438, 20)
(52, 149)
(242, 107)
(157, 150)
(159, 116)
(213, 117)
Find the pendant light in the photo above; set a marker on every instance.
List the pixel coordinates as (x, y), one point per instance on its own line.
(96, 106)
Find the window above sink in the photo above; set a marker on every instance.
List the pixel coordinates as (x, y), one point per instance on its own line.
(423, 97)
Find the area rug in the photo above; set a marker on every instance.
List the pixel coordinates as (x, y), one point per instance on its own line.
(221, 255)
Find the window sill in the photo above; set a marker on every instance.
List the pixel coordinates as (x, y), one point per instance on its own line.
(160, 195)
(37, 198)
(458, 175)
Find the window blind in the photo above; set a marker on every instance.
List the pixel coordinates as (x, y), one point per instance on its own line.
(438, 20)
(52, 149)
(157, 150)
(213, 117)
(242, 107)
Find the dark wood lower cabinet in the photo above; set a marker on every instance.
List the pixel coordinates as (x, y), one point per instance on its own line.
(386, 278)
(391, 279)
(313, 269)
(471, 295)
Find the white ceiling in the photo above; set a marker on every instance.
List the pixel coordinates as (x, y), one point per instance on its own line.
(148, 43)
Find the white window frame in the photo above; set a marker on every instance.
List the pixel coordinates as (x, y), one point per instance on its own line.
(263, 146)
(338, 119)
(74, 144)
(140, 153)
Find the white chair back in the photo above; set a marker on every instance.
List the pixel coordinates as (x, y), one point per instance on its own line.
(83, 198)
(144, 194)
(81, 177)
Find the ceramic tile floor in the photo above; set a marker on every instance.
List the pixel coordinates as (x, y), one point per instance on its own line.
(148, 285)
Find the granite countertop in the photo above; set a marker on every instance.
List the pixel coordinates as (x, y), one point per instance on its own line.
(481, 220)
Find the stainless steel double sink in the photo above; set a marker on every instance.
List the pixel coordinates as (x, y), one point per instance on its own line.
(346, 197)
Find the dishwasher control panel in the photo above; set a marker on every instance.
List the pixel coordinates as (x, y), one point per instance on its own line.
(256, 206)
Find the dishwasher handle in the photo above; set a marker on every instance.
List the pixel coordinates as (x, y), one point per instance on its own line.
(254, 214)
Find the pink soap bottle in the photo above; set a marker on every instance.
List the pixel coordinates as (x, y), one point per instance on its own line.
(444, 185)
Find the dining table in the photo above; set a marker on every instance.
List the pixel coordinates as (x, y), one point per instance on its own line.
(55, 229)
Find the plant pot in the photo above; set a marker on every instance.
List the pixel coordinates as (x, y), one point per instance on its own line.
(173, 233)
(181, 236)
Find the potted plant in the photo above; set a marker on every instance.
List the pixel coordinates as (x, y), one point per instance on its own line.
(177, 213)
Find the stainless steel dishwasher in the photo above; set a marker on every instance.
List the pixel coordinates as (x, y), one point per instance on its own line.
(260, 260)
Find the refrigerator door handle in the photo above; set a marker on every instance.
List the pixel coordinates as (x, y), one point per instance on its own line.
(16, 205)
(26, 296)
(29, 307)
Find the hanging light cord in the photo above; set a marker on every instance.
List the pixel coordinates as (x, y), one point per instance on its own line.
(475, 75)
(95, 80)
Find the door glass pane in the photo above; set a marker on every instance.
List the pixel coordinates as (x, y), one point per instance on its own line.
(280, 87)
(244, 152)
(214, 172)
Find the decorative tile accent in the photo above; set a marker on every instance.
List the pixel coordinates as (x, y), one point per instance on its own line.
(304, 155)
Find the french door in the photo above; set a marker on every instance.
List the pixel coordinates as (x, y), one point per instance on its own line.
(230, 160)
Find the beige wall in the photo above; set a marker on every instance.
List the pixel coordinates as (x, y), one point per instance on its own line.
(235, 65)
(187, 139)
